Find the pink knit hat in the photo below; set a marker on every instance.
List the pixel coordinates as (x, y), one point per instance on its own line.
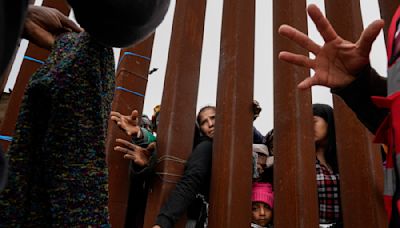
(262, 192)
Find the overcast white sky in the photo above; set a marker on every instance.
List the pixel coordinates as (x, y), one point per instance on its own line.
(263, 91)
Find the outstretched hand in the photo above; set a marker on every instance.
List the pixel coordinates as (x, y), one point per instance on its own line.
(139, 155)
(338, 61)
(128, 123)
(43, 24)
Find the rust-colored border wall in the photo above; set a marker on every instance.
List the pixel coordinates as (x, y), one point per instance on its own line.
(230, 198)
(177, 116)
(294, 166)
(131, 82)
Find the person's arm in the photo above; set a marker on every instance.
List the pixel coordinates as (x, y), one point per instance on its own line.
(358, 94)
(196, 175)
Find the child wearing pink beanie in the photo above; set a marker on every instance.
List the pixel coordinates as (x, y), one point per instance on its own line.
(262, 199)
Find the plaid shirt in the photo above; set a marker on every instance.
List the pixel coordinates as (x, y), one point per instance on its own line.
(328, 194)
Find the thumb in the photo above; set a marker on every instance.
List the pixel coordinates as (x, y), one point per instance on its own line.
(134, 114)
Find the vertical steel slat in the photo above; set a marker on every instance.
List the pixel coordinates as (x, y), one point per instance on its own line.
(132, 73)
(230, 203)
(177, 116)
(294, 166)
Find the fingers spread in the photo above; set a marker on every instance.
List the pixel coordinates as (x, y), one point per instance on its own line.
(117, 114)
(299, 38)
(299, 60)
(126, 143)
(130, 157)
(323, 26)
(123, 150)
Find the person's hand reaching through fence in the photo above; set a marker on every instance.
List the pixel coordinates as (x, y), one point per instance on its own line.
(130, 124)
(336, 62)
(139, 155)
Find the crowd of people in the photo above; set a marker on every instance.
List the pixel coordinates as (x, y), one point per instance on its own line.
(191, 194)
(57, 173)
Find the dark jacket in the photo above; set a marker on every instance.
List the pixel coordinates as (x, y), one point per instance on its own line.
(139, 184)
(195, 180)
(358, 97)
(3, 169)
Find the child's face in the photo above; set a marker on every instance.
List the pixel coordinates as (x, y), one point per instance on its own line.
(261, 214)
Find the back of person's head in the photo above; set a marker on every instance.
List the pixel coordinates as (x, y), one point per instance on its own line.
(326, 112)
(256, 109)
(146, 122)
(119, 23)
(269, 141)
(262, 192)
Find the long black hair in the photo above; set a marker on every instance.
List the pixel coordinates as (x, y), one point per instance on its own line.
(326, 112)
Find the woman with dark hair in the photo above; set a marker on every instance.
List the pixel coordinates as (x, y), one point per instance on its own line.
(191, 192)
(326, 166)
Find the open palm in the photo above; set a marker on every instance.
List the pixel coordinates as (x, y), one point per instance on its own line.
(130, 124)
(338, 60)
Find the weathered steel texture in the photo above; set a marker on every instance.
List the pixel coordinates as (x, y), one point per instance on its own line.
(131, 82)
(387, 9)
(28, 67)
(360, 163)
(294, 167)
(177, 116)
(230, 192)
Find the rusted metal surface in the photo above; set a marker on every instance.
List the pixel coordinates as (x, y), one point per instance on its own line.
(360, 163)
(230, 203)
(32, 61)
(294, 166)
(387, 9)
(131, 82)
(177, 116)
